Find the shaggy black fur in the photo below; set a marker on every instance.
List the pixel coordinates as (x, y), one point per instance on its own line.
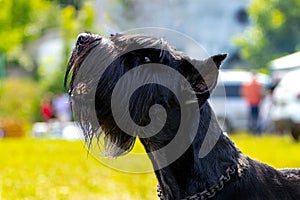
(189, 174)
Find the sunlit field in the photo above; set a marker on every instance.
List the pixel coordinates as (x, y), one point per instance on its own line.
(54, 169)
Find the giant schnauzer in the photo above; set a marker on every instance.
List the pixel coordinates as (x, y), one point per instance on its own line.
(158, 108)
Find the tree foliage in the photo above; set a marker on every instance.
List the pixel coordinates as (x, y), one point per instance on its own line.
(23, 21)
(72, 22)
(275, 31)
(20, 99)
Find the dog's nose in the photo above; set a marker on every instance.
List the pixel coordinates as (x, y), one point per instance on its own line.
(83, 38)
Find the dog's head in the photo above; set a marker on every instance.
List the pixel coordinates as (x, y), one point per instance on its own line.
(99, 64)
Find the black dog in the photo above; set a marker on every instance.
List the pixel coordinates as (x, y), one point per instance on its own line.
(97, 64)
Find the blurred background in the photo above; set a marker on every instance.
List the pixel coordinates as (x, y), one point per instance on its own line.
(42, 155)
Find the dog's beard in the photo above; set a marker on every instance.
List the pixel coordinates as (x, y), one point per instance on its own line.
(92, 113)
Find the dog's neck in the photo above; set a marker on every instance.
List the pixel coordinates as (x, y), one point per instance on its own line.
(190, 174)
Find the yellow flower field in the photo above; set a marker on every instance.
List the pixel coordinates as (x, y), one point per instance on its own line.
(57, 169)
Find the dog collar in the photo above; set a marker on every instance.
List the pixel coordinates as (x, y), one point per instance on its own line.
(211, 191)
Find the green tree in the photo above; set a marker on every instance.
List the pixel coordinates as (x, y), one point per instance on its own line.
(275, 31)
(25, 21)
(21, 22)
(72, 23)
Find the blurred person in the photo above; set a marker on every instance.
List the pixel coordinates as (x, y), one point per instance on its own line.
(252, 93)
(62, 108)
(46, 109)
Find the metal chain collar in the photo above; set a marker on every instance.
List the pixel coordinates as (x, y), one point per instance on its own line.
(211, 191)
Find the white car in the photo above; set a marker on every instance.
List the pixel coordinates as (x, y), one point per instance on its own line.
(285, 111)
(230, 108)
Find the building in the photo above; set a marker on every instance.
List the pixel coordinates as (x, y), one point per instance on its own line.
(212, 23)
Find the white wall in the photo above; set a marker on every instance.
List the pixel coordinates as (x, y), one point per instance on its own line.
(212, 23)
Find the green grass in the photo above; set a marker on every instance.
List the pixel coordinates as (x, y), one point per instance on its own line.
(53, 169)
(277, 151)
(49, 169)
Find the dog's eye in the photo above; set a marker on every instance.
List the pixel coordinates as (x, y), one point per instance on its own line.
(82, 39)
(147, 59)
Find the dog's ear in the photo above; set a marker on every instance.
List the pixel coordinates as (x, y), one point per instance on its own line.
(206, 80)
(218, 59)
